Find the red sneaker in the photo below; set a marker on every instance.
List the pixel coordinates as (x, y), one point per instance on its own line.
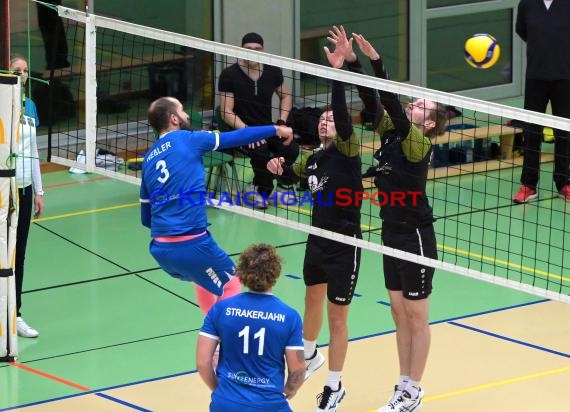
(564, 193)
(526, 194)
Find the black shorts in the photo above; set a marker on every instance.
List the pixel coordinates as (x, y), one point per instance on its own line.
(413, 279)
(334, 263)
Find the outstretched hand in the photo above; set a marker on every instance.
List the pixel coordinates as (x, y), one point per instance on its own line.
(342, 49)
(339, 38)
(275, 165)
(365, 47)
(285, 133)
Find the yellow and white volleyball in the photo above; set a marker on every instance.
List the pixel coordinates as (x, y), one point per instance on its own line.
(482, 51)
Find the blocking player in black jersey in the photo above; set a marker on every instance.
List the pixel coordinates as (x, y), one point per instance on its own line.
(330, 267)
(403, 161)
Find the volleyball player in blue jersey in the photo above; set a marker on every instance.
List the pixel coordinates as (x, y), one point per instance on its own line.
(258, 334)
(172, 197)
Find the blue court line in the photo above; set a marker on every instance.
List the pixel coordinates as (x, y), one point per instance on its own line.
(97, 392)
(519, 342)
(130, 405)
(25, 405)
(75, 395)
(373, 335)
(486, 312)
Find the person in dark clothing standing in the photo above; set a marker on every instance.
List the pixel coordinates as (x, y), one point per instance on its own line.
(330, 268)
(246, 90)
(545, 27)
(53, 36)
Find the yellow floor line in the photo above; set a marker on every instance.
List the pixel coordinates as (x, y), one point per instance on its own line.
(496, 384)
(85, 212)
(493, 385)
(305, 211)
(504, 262)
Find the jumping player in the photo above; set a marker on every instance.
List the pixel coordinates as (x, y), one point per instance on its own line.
(172, 199)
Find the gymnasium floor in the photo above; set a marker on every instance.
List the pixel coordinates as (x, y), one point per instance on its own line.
(118, 334)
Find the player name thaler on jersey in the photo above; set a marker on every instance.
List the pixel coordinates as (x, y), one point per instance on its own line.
(158, 150)
(255, 314)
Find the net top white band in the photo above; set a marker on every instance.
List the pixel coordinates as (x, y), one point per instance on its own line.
(320, 71)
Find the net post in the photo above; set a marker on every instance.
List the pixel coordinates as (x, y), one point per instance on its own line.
(90, 92)
(9, 123)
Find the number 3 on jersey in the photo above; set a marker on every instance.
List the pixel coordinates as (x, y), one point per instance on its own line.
(164, 174)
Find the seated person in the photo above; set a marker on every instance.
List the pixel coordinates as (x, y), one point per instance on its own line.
(246, 89)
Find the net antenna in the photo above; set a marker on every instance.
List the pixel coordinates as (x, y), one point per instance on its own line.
(10, 111)
(123, 66)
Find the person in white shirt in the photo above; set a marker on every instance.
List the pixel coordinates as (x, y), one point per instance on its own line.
(29, 181)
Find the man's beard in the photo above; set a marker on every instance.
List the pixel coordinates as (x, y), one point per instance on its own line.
(184, 124)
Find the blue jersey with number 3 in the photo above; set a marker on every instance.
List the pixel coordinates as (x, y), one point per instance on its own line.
(173, 178)
(173, 181)
(254, 330)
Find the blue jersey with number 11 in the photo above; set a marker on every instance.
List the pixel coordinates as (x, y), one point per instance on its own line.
(255, 329)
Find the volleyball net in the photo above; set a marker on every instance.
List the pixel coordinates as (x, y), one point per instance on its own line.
(118, 68)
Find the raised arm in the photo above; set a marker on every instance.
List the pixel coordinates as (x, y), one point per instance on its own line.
(343, 48)
(389, 100)
(253, 134)
(342, 120)
(368, 96)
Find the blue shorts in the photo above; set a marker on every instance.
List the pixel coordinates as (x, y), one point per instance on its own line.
(199, 260)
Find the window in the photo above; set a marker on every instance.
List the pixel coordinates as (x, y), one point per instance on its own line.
(383, 22)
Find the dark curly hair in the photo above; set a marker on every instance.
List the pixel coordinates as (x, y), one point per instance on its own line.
(259, 267)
